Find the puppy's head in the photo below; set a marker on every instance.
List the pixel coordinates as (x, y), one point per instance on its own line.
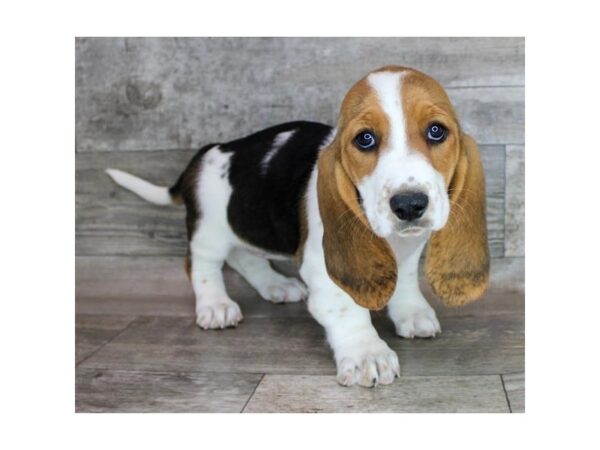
(401, 166)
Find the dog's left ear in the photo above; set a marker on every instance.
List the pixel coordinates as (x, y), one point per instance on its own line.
(457, 262)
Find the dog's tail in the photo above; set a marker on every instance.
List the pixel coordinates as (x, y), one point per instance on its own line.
(159, 195)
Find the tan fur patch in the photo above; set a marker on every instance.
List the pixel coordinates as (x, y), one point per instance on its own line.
(424, 101)
(457, 263)
(360, 111)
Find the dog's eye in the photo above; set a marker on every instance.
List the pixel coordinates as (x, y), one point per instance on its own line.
(365, 140)
(436, 133)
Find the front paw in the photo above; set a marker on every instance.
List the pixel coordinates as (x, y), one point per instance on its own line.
(367, 363)
(218, 314)
(416, 322)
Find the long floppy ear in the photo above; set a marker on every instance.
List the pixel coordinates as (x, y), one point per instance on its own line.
(457, 263)
(357, 260)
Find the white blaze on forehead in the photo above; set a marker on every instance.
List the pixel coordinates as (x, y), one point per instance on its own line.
(387, 87)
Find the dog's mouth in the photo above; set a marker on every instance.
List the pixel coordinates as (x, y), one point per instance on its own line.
(413, 229)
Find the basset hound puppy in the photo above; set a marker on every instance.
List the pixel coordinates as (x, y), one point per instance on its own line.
(355, 204)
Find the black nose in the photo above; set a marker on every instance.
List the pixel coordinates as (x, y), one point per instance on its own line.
(409, 205)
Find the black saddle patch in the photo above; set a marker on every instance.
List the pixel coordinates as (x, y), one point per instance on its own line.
(264, 207)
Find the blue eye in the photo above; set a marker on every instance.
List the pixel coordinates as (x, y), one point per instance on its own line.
(436, 133)
(365, 140)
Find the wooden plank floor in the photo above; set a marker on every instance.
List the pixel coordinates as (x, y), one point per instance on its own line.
(277, 359)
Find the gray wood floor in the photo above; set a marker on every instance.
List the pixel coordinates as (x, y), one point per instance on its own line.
(154, 359)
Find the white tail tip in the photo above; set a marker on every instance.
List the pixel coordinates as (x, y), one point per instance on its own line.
(159, 195)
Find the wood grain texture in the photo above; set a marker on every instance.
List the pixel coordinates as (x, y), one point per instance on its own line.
(122, 285)
(166, 93)
(514, 384)
(321, 394)
(99, 390)
(113, 221)
(514, 216)
(492, 115)
(469, 345)
(159, 286)
(507, 274)
(92, 332)
(167, 363)
(258, 345)
(492, 158)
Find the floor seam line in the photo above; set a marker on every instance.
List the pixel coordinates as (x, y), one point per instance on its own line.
(505, 393)
(106, 343)
(252, 393)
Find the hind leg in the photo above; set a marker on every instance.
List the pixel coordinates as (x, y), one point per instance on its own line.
(210, 242)
(270, 284)
(214, 308)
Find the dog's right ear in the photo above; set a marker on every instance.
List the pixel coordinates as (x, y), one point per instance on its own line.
(458, 261)
(357, 260)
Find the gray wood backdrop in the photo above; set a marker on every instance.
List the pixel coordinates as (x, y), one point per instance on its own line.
(145, 104)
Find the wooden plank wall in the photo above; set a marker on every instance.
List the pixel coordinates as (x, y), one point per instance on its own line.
(145, 104)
